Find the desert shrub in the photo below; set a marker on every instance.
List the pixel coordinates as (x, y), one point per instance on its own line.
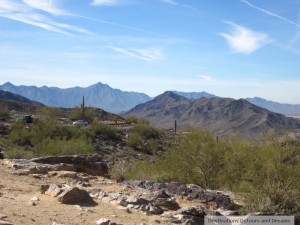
(4, 113)
(151, 146)
(146, 131)
(198, 159)
(105, 131)
(49, 112)
(50, 138)
(118, 169)
(272, 179)
(74, 146)
(135, 141)
(89, 114)
(266, 174)
(16, 153)
(131, 119)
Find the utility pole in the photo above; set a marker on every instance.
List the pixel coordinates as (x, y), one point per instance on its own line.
(175, 126)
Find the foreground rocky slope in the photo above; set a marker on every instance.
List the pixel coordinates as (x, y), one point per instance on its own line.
(60, 193)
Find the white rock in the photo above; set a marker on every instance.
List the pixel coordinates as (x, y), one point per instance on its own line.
(103, 221)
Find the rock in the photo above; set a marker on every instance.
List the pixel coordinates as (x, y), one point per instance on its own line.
(54, 223)
(145, 185)
(33, 201)
(91, 164)
(44, 188)
(73, 195)
(97, 193)
(67, 174)
(190, 220)
(228, 212)
(3, 217)
(103, 221)
(1, 155)
(153, 209)
(167, 203)
(2, 222)
(81, 183)
(162, 199)
(55, 190)
(38, 176)
(113, 223)
(197, 211)
(132, 200)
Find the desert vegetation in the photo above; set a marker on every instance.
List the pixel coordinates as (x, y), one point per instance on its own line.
(267, 174)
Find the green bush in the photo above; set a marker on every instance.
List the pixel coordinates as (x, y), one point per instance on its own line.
(146, 131)
(50, 138)
(151, 146)
(118, 170)
(16, 153)
(49, 112)
(105, 131)
(49, 147)
(89, 114)
(135, 141)
(266, 174)
(4, 113)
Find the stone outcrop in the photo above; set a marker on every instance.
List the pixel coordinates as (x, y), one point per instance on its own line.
(90, 164)
(190, 192)
(150, 203)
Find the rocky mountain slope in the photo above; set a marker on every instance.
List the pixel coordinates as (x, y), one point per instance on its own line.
(8, 96)
(222, 116)
(286, 109)
(97, 95)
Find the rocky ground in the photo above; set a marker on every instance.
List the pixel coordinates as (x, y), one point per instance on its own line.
(55, 191)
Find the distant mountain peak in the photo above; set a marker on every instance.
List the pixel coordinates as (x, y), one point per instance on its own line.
(169, 95)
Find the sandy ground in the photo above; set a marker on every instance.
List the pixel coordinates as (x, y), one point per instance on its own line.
(16, 191)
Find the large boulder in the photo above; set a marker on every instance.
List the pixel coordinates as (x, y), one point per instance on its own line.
(74, 195)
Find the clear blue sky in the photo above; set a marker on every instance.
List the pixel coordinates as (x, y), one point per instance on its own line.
(230, 48)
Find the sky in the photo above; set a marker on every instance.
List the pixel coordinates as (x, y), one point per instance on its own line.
(230, 48)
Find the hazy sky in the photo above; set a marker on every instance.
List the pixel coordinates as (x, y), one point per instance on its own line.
(230, 48)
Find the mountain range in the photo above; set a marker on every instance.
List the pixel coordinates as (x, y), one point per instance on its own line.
(114, 100)
(223, 116)
(286, 109)
(98, 95)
